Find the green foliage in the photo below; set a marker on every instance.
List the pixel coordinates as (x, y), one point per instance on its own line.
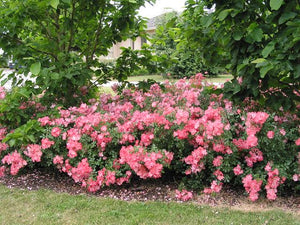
(196, 42)
(182, 58)
(130, 61)
(3, 61)
(262, 39)
(188, 62)
(163, 41)
(17, 108)
(59, 41)
(25, 134)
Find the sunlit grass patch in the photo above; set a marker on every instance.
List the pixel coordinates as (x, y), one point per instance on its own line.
(47, 207)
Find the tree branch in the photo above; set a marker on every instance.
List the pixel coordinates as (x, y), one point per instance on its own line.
(99, 28)
(72, 26)
(56, 18)
(291, 86)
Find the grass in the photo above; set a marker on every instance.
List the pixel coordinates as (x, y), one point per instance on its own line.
(157, 78)
(47, 207)
(219, 79)
(106, 90)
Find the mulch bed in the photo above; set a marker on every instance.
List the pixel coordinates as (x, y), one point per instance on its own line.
(146, 190)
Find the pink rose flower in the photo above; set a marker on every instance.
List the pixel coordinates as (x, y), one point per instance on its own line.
(55, 132)
(270, 134)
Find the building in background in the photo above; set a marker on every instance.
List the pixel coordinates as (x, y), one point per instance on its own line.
(136, 44)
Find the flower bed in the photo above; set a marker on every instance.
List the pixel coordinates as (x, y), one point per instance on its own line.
(205, 140)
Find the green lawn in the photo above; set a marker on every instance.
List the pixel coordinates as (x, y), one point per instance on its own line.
(219, 79)
(47, 207)
(106, 90)
(157, 78)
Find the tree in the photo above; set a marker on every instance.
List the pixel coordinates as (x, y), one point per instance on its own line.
(183, 58)
(163, 40)
(60, 41)
(262, 37)
(198, 40)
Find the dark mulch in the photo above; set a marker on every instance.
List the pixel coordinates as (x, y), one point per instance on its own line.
(145, 190)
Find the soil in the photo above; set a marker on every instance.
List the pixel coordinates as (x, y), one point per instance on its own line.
(148, 190)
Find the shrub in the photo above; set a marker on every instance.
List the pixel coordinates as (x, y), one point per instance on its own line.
(205, 140)
(18, 106)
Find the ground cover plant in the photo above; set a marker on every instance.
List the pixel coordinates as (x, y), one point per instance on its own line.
(178, 129)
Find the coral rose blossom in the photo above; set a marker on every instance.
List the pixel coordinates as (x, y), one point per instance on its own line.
(218, 161)
(238, 170)
(15, 160)
(270, 134)
(2, 171)
(46, 143)
(282, 131)
(34, 152)
(297, 142)
(183, 195)
(55, 132)
(58, 160)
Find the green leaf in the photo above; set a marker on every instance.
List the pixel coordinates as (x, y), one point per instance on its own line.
(132, 1)
(237, 35)
(286, 16)
(268, 49)
(263, 71)
(236, 89)
(4, 81)
(206, 21)
(23, 92)
(67, 1)
(259, 60)
(54, 76)
(54, 3)
(224, 14)
(35, 68)
(31, 138)
(12, 142)
(275, 4)
(68, 75)
(257, 34)
(240, 67)
(234, 12)
(297, 73)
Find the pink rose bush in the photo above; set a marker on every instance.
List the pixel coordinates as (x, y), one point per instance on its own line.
(180, 130)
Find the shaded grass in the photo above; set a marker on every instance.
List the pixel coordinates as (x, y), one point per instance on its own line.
(47, 207)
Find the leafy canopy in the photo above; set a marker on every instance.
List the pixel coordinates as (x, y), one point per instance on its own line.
(60, 41)
(262, 39)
